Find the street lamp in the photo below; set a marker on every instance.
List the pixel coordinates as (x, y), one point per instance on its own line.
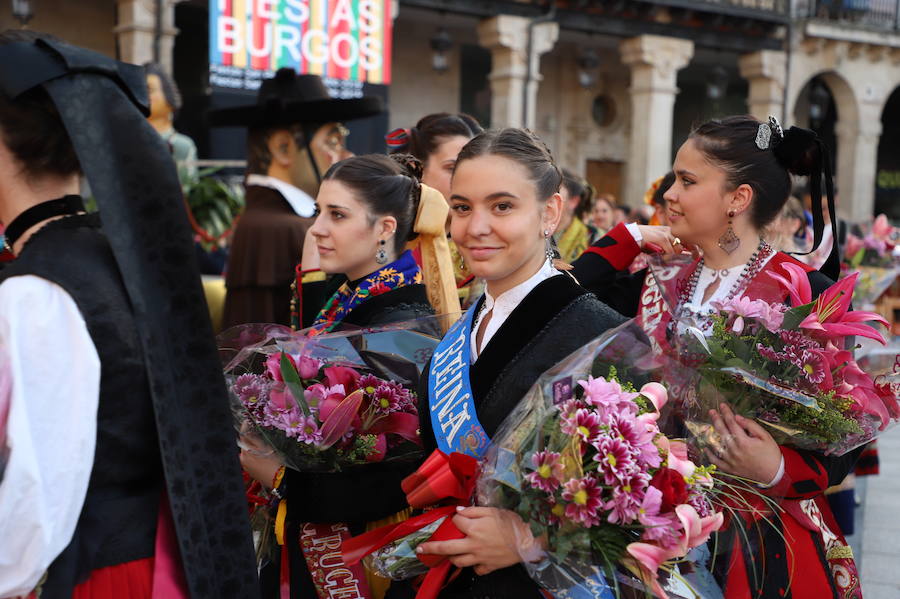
(717, 84)
(819, 99)
(21, 10)
(441, 43)
(587, 65)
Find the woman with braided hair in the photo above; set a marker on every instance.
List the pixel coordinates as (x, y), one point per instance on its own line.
(436, 141)
(732, 178)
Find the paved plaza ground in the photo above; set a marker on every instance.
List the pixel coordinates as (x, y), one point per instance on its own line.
(877, 542)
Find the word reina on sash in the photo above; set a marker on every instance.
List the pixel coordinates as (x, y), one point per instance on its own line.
(452, 407)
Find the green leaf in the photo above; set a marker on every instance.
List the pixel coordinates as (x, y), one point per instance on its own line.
(292, 380)
(794, 316)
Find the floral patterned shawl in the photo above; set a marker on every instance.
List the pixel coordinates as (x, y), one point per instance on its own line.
(403, 271)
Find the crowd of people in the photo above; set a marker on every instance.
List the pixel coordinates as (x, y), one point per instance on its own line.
(119, 473)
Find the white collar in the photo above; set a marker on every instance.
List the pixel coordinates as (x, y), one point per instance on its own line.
(505, 303)
(300, 201)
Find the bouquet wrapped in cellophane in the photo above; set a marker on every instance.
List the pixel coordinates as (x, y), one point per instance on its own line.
(339, 408)
(329, 401)
(873, 257)
(610, 501)
(792, 369)
(596, 498)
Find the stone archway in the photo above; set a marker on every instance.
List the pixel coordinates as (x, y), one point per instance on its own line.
(856, 132)
(887, 175)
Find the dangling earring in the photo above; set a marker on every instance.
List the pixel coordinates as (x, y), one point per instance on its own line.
(550, 250)
(381, 255)
(729, 241)
(462, 263)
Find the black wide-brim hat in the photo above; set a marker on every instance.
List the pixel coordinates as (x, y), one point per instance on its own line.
(288, 99)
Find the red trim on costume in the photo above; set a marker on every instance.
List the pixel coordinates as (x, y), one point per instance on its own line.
(804, 476)
(621, 254)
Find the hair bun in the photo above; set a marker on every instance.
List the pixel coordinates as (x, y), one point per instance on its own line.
(799, 151)
(411, 164)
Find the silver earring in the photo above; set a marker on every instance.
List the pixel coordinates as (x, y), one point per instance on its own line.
(729, 241)
(381, 255)
(550, 250)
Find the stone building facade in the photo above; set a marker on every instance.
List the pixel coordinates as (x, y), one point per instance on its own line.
(613, 87)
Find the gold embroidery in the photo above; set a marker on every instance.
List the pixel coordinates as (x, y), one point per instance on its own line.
(839, 552)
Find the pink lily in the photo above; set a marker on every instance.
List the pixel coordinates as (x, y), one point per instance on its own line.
(857, 384)
(677, 456)
(830, 317)
(881, 228)
(341, 419)
(656, 393)
(696, 532)
(852, 245)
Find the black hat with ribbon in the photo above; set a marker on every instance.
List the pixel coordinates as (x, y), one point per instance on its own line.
(103, 105)
(289, 98)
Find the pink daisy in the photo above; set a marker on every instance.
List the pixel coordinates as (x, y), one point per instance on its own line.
(584, 423)
(615, 459)
(583, 496)
(548, 471)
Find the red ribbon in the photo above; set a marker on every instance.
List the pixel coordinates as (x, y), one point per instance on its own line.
(443, 480)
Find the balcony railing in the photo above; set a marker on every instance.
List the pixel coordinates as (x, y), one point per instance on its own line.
(883, 15)
(742, 7)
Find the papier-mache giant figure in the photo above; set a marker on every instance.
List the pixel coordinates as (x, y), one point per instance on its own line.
(120, 475)
(294, 133)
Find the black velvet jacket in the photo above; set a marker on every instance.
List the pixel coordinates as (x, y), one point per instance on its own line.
(555, 319)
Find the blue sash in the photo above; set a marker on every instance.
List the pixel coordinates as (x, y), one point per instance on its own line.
(453, 418)
(456, 427)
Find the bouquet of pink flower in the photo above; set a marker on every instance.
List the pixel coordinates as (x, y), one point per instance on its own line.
(329, 401)
(790, 369)
(613, 500)
(872, 256)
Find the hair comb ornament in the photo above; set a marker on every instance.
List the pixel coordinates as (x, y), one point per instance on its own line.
(767, 131)
(397, 139)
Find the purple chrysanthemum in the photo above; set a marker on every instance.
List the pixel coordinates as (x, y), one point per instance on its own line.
(615, 459)
(583, 497)
(548, 470)
(623, 507)
(584, 423)
(253, 391)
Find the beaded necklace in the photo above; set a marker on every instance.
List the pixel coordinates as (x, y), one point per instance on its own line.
(751, 269)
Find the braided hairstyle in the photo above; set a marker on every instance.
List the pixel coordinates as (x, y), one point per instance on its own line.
(730, 144)
(430, 132)
(387, 185)
(521, 146)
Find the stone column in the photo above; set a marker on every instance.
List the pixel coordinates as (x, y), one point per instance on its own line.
(136, 29)
(857, 163)
(765, 71)
(506, 36)
(654, 61)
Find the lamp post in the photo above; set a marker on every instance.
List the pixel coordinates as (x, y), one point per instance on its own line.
(587, 67)
(818, 103)
(22, 11)
(441, 43)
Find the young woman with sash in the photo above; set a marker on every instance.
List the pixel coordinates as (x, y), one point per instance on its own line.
(505, 205)
(367, 207)
(732, 179)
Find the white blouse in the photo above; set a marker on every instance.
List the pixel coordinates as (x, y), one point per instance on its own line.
(503, 305)
(48, 355)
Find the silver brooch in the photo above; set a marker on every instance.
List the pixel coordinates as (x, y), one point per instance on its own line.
(763, 136)
(766, 131)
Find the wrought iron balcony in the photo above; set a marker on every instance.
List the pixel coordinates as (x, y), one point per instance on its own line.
(880, 15)
(753, 8)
